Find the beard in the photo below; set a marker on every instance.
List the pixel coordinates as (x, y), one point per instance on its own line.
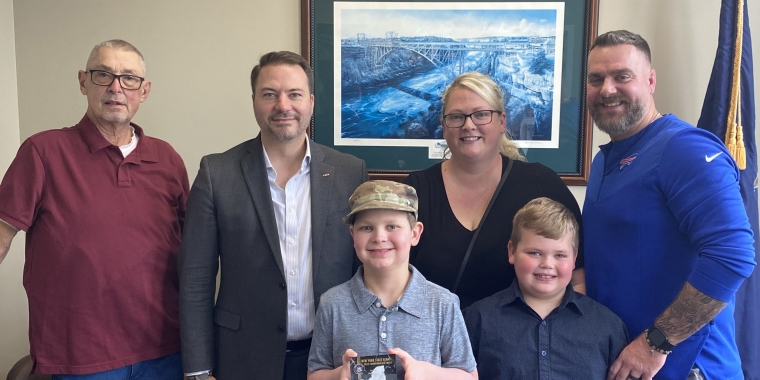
(285, 132)
(618, 125)
(120, 115)
(116, 117)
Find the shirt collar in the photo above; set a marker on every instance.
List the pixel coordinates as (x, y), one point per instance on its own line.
(513, 296)
(145, 150)
(631, 141)
(412, 301)
(304, 164)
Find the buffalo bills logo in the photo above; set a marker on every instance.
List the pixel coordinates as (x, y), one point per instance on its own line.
(627, 161)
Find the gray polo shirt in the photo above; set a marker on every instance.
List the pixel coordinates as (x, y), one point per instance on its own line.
(426, 323)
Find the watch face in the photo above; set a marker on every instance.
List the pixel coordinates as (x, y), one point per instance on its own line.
(657, 337)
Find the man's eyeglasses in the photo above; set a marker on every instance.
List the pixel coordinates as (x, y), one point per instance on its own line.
(457, 120)
(105, 78)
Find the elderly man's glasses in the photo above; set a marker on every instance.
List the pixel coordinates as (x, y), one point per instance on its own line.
(104, 78)
(457, 120)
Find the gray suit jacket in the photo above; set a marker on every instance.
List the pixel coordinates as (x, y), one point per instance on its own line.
(230, 221)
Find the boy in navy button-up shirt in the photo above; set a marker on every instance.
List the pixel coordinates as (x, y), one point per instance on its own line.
(539, 328)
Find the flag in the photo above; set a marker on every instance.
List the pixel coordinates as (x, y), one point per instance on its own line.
(717, 117)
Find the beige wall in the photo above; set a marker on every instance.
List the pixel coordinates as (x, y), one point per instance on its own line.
(13, 307)
(199, 56)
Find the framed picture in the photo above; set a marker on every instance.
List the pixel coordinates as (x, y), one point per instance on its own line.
(380, 68)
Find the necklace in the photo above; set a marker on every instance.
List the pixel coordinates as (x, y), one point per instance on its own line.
(655, 117)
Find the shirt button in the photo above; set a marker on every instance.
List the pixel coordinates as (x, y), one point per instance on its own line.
(383, 335)
(291, 241)
(290, 209)
(383, 318)
(543, 323)
(377, 304)
(543, 353)
(292, 272)
(293, 304)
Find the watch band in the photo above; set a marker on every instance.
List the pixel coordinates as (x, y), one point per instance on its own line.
(200, 376)
(663, 347)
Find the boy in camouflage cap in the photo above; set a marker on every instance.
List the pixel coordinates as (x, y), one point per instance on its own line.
(388, 307)
(387, 195)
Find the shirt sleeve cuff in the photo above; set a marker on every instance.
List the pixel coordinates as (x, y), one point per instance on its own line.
(719, 282)
(12, 226)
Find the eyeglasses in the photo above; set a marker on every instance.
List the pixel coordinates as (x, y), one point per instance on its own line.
(105, 78)
(457, 120)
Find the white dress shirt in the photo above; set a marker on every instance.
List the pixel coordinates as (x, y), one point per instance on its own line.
(292, 210)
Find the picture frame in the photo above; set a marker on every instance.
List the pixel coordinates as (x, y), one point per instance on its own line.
(382, 108)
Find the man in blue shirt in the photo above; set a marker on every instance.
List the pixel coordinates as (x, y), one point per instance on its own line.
(667, 239)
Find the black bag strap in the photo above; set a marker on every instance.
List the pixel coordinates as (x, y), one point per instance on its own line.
(477, 230)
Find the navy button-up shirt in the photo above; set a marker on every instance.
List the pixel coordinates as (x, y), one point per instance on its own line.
(580, 339)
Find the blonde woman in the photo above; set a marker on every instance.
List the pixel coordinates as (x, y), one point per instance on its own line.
(464, 247)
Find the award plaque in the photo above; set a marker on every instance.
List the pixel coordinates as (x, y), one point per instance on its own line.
(380, 367)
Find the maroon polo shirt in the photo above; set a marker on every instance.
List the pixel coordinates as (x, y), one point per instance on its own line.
(103, 234)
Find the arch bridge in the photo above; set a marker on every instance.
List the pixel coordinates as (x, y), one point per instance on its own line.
(440, 54)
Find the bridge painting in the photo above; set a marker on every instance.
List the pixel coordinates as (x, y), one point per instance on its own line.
(393, 60)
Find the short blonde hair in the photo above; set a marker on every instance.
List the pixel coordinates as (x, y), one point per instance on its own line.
(487, 89)
(547, 218)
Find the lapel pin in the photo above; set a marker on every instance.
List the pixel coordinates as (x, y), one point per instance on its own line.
(326, 175)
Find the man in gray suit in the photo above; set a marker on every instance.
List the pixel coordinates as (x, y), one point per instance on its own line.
(269, 210)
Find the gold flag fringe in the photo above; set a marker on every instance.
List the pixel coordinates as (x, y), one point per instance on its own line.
(734, 134)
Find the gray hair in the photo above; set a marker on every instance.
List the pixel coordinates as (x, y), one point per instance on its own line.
(116, 44)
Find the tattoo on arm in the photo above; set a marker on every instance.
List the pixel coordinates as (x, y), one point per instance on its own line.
(687, 314)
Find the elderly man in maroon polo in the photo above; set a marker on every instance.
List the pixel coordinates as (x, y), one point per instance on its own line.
(103, 206)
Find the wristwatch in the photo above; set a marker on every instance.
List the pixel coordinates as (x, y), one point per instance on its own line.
(658, 341)
(200, 376)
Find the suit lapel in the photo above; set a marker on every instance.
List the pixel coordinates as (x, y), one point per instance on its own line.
(322, 176)
(255, 174)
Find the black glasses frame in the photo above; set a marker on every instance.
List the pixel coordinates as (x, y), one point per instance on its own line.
(446, 121)
(114, 77)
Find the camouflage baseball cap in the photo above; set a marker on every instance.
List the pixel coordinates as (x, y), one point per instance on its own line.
(382, 194)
